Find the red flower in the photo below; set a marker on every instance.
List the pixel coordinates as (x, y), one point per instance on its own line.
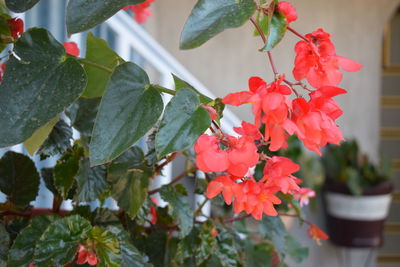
(210, 157)
(16, 27)
(316, 61)
(211, 111)
(248, 130)
(153, 211)
(71, 48)
(141, 11)
(84, 255)
(278, 172)
(288, 10)
(316, 233)
(304, 195)
(222, 184)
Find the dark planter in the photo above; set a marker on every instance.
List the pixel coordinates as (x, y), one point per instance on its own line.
(356, 221)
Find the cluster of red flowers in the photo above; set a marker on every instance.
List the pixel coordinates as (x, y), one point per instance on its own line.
(311, 118)
(141, 11)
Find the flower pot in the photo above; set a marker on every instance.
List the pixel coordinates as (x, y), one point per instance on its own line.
(357, 221)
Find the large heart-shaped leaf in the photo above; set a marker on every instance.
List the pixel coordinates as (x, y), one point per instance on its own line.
(98, 51)
(91, 181)
(210, 17)
(19, 179)
(85, 14)
(58, 245)
(127, 112)
(19, 6)
(23, 248)
(130, 179)
(276, 30)
(38, 87)
(183, 122)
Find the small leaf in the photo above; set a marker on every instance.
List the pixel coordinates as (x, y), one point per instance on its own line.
(23, 248)
(183, 122)
(51, 82)
(106, 247)
(91, 181)
(19, 179)
(85, 14)
(294, 249)
(130, 180)
(272, 228)
(354, 181)
(277, 30)
(179, 206)
(20, 6)
(58, 245)
(66, 169)
(127, 112)
(181, 84)
(210, 17)
(38, 137)
(98, 51)
(58, 141)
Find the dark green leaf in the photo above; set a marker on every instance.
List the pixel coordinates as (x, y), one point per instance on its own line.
(39, 136)
(181, 84)
(130, 180)
(85, 14)
(58, 141)
(98, 51)
(227, 253)
(23, 248)
(179, 206)
(210, 17)
(277, 30)
(106, 247)
(58, 245)
(48, 178)
(127, 112)
(295, 250)
(183, 122)
(66, 169)
(38, 87)
(91, 181)
(19, 179)
(5, 242)
(131, 256)
(272, 228)
(19, 6)
(353, 181)
(259, 255)
(207, 243)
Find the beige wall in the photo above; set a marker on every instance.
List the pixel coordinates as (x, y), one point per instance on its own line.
(225, 63)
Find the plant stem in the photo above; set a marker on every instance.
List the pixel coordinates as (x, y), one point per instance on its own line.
(163, 89)
(198, 210)
(298, 34)
(176, 179)
(237, 218)
(94, 64)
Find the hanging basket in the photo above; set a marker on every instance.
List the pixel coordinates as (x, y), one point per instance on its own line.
(357, 221)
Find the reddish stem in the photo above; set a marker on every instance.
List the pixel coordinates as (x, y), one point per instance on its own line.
(298, 34)
(176, 179)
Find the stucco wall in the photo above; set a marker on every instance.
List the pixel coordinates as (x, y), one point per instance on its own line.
(226, 62)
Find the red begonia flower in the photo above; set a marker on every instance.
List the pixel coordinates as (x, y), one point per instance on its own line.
(16, 27)
(288, 10)
(211, 111)
(303, 195)
(141, 11)
(210, 157)
(71, 48)
(249, 130)
(222, 184)
(316, 233)
(86, 256)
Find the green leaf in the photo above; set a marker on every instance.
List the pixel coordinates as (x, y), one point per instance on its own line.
(183, 122)
(38, 137)
(66, 169)
(181, 84)
(227, 253)
(5, 242)
(131, 256)
(98, 51)
(91, 181)
(259, 255)
(179, 206)
(210, 17)
(23, 248)
(20, 6)
(59, 243)
(19, 179)
(106, 247)
(272, 228)
(277, 30)
(127, 112)
(58, 141)
(85, 14)
(130, 180)
(38, 87)
(353, 181)
(295, 250)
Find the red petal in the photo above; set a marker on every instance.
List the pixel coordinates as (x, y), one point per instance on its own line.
(71, 48)
(237, 99)
(256, 83)
(348, 64)
(213, 189)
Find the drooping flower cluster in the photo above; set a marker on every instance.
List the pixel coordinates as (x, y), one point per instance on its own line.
(141, 11)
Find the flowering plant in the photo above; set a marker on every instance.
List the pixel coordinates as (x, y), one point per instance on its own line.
(48, 90)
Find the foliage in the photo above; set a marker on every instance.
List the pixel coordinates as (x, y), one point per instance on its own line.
(48, 93)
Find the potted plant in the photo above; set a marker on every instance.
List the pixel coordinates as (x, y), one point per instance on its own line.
(357, 196)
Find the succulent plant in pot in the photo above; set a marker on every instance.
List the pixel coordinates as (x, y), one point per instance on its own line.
(357, 196)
